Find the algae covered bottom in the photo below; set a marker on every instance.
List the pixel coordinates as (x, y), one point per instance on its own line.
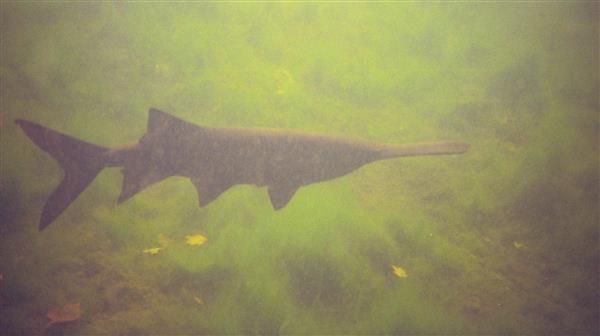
(500, 240)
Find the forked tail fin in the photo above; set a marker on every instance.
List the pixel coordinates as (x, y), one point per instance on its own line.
(81, 162)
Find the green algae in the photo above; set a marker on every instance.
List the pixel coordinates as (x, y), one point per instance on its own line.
(518, 81)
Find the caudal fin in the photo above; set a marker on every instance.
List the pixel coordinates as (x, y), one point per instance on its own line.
(81, 162)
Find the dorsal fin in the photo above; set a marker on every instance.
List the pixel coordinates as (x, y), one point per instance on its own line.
(158, 119)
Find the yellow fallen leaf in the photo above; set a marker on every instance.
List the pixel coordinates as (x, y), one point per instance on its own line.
(198, 300)
(163, 240)
(511, 147)
(283, 80)
(399, 272)
(195, 240)
(161, 68)
(518, 244)
(153, 250)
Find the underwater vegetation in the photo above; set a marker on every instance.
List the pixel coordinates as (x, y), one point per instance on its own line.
(501, 240)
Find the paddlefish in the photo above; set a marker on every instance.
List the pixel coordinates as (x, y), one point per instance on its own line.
(214, 159)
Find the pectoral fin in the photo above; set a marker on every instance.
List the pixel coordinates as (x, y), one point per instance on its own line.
(281, 195)
(208, 191)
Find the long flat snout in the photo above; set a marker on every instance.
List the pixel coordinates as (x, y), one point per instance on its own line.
(428, 148)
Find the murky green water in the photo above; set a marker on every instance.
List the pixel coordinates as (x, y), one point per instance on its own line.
(501, 240)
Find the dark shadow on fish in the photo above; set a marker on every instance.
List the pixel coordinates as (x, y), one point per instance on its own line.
(214, 159)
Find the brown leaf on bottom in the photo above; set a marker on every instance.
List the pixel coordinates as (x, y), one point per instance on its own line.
(69, 312)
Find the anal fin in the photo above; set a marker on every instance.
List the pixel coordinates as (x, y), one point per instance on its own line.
(135, 181)
(209, 190)
(281, 195)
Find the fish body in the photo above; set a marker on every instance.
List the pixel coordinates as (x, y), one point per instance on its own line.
(214, 159)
